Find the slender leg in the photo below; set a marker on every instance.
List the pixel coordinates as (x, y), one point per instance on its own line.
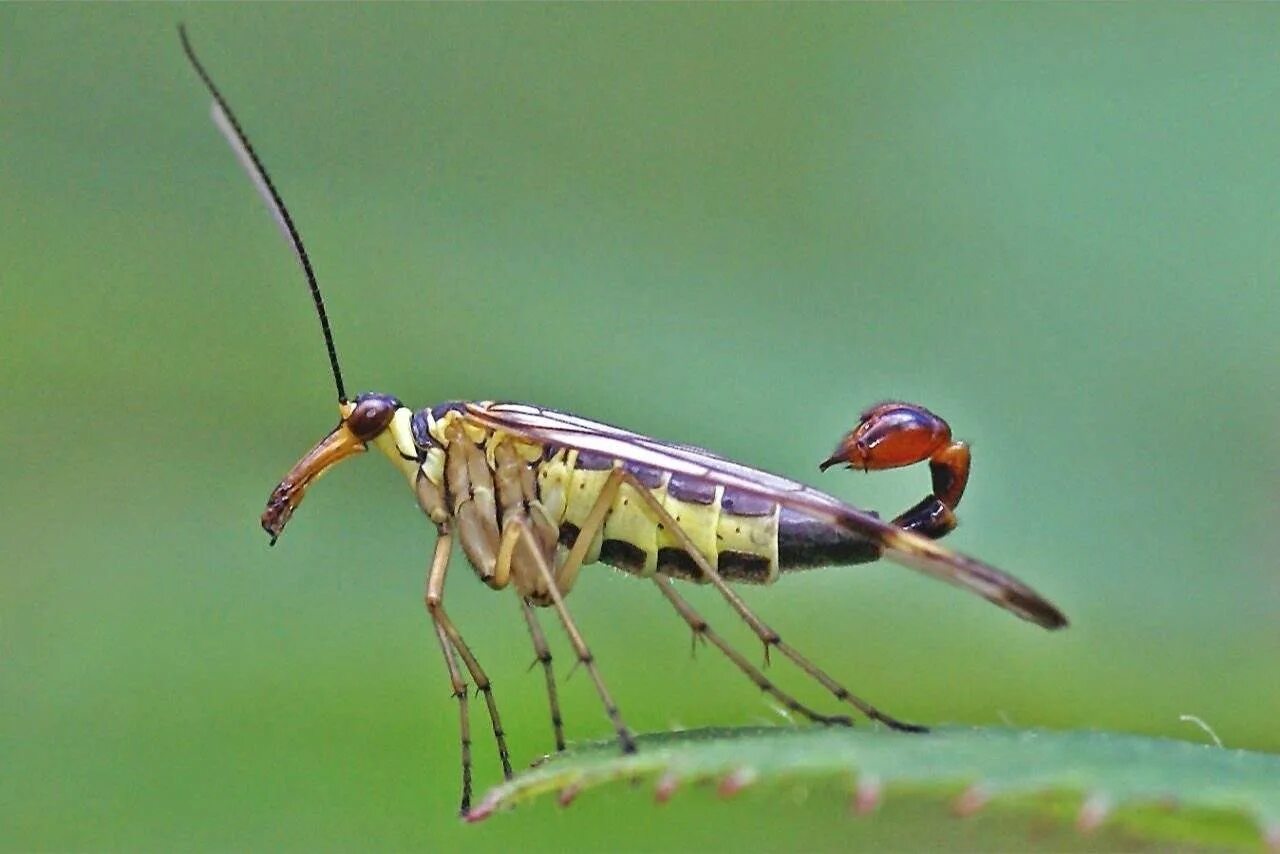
(445, 626)
(625, 739)
(762, 630)
(544, 655)
(455, 677)
(567, 569)
(464, 717)
(701, 629)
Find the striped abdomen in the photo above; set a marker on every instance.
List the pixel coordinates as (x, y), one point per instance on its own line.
(751, 538)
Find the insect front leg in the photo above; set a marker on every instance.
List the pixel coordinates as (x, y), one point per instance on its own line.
(896, 434)
(436, 575)
(451, 641)
(464, 715)
(767, 635)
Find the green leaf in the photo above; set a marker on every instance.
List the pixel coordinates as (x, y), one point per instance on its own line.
(1153, 788)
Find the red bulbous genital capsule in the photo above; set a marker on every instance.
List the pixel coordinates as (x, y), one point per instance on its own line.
(891, 435)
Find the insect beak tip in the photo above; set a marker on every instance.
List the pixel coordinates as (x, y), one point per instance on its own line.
(272, 526)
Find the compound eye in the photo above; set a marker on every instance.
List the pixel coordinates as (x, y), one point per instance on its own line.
(370, 417)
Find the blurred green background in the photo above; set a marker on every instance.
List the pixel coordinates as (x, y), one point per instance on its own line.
(728, 225)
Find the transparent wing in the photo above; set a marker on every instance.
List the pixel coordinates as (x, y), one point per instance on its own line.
(547, 426)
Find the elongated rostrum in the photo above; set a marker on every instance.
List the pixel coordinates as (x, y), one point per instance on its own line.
(532, 495)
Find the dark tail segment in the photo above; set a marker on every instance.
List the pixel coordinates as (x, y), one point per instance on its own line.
(808, 543)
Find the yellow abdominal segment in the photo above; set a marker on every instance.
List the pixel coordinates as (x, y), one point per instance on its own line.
(700, 523)
(751, 535)
(583, 491)
(631, 521)
(569, 493)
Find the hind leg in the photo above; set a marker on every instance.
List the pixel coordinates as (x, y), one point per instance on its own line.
(767, 635)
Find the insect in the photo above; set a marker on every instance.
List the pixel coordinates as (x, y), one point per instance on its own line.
(532, 495)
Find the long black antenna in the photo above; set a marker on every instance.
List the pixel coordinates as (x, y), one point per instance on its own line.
(226, 119)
